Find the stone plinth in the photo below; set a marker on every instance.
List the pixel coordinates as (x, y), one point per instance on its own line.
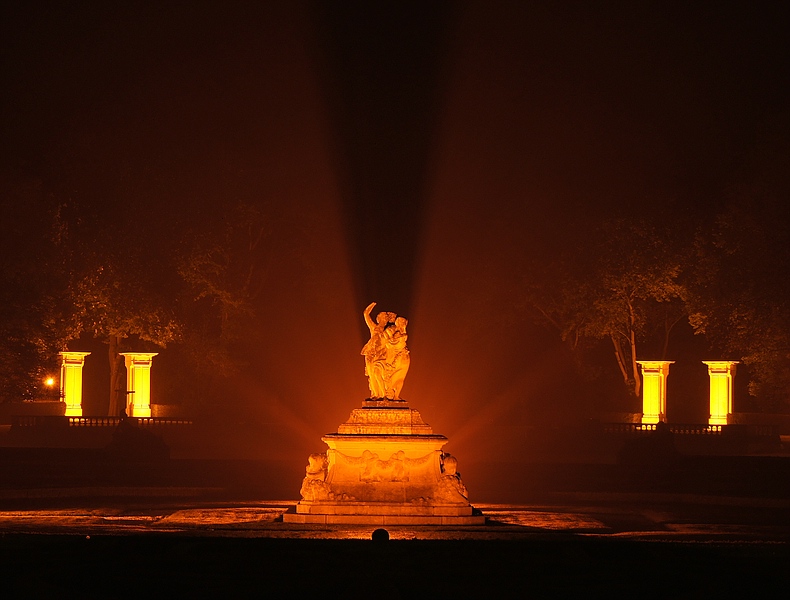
(654, 389)
(388, 417)
(138, 383)
(71, 364)
(722, 373)
(384, 466)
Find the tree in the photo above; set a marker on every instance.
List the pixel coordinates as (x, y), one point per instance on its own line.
(624, 284)
(31, 280)
(114, 300)
(224, 267)
(71, 270)
(740, 288)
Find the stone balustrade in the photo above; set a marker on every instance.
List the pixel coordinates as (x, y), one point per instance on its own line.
(52, 421)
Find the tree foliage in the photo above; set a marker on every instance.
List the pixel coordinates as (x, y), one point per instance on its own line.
(69, 272)
(739, 299)
(629, 282)
(224, 268)
(32, 306)
(112, 300)
(622, 284)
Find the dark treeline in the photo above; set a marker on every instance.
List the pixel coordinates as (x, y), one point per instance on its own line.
(638, 288)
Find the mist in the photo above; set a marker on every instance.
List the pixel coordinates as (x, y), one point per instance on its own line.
(414, 156)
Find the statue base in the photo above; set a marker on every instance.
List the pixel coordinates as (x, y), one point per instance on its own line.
(379, 514)
(384, 466)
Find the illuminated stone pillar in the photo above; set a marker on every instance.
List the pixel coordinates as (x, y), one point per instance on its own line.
(654, 389)
(138, 386)
(721, 373)
(71, 364)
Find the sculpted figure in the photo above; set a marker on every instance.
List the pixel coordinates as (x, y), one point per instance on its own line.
(397, 357)
(386, 356)
(314, 487)
(374, 352)
(451, 488)
(375, 469)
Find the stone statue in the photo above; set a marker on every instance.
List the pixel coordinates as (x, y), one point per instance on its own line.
(384, 465)
(386, 355)
(314, 486)
(451, 488)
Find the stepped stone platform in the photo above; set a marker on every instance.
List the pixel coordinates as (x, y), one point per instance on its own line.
(384, 466)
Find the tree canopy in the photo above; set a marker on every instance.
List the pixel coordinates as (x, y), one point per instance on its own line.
(630, 281)
(739, 297)
(70, 272)
(32, 280)
(621, 284)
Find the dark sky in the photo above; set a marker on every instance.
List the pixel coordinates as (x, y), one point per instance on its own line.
(546, 108)
(413, 152)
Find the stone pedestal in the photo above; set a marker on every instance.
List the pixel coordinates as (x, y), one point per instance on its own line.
(138, 383)
(721, 374)
(384, 466)
(654, 389)
(71, 364)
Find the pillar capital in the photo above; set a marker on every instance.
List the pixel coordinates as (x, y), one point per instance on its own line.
(655, 365)
(138, 357)
(73, 357)
(721, 366)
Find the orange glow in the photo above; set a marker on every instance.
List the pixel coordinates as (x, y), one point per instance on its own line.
(49, 382)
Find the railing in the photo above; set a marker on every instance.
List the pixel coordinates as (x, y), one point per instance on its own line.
(93, 421)
(38, 421)
(691, 429)
(52, 421)
(674, 428)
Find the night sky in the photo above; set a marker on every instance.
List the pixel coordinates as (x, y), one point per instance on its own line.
(411, 154)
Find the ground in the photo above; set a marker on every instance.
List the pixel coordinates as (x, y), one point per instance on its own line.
(79, 522)
(651, 545)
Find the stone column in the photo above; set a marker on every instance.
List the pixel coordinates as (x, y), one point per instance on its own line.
(721, 373)
(654, 389)
(138, 386)
(71, 364)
